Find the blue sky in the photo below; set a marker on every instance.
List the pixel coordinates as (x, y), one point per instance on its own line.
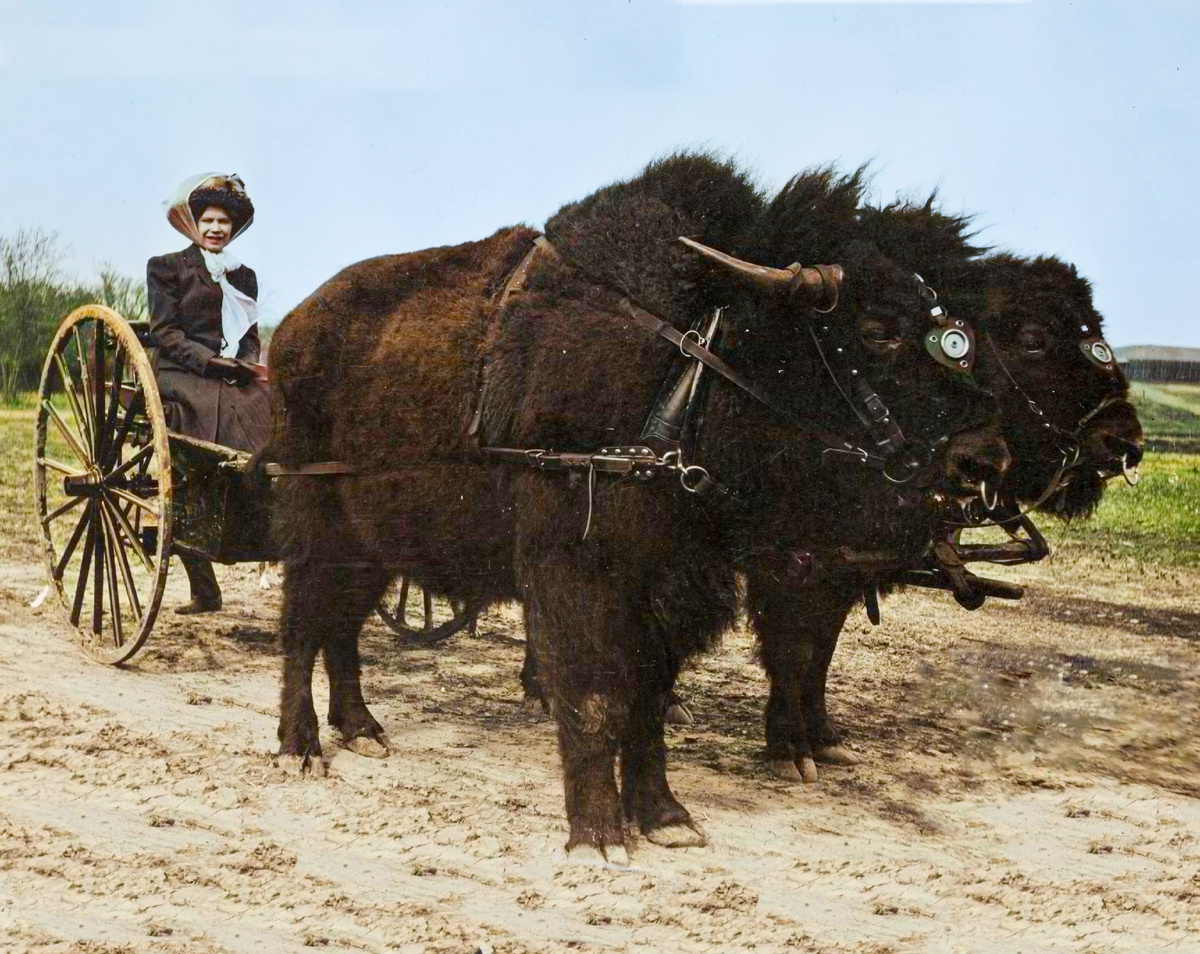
(367, 128)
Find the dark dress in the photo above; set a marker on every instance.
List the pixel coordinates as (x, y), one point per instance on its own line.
(185, 322)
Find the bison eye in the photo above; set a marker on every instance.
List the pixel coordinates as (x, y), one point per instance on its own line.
(1033, 338)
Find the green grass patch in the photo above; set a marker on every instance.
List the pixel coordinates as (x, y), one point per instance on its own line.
(1167, 410)
(19, 535)
(1158, 521)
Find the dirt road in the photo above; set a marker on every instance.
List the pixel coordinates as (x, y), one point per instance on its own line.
(1029, 784)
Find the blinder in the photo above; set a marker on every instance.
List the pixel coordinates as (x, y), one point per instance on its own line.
(1097, 351)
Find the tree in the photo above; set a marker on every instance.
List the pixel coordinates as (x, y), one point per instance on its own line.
(35, 294)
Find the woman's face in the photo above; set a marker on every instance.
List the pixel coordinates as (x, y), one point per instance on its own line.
(216, 228)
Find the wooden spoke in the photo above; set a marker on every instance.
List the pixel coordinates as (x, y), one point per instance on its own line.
(60, 467)
(134, 543)
(85, 520)
(141, 457)
(98, 571)
(81, 583)
(126, 570)
(98, 410)
(85, 424)
(114, 598)
(132, 499)
(114, 451)
(74, 441)
(59, 511)
(114, 405)
(89, 407)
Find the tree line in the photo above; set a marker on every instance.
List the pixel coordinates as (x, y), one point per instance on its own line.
(36, 292)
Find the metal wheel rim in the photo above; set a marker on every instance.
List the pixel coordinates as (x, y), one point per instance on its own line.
(106, 422)
(393, 610)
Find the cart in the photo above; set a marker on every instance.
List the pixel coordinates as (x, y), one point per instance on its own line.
(117, 494)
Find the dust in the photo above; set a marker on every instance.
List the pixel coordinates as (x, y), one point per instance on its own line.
(1028, 783)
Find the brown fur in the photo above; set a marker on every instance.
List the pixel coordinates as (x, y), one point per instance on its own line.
(380, 367)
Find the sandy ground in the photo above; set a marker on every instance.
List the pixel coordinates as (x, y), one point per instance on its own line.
(1029, 784)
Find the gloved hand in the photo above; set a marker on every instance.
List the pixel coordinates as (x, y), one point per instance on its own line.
(228, 370)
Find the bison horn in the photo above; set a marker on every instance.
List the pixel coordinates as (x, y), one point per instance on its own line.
(793, 278)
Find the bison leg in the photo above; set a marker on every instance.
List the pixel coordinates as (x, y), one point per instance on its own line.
(797, 630)
(358, 590)
(645, 795)
(536, 702)
(305, 593)
(575, 644)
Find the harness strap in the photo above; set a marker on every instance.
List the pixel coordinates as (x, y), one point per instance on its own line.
(689, 346)
(516, 283)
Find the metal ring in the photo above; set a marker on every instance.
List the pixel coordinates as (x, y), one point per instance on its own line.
(700, 340)
(983, 497)
(701, 473)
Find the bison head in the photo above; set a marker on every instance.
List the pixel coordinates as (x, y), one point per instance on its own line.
(860, 328)
(1064, 399)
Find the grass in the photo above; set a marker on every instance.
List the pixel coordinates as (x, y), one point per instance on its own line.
(1169, 413)
(1158, 521)
(19, 534)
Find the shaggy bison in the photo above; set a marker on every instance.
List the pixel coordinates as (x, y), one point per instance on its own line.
(1065, 417)
(414, 367)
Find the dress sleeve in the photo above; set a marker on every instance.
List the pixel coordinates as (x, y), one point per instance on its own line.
(166, 323)
(250, 347)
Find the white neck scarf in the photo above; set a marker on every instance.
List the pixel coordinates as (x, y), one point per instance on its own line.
(238, 310)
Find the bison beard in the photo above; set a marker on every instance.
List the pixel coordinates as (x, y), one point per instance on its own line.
(381, 367)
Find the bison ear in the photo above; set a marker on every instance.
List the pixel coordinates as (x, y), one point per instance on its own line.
(811, 282)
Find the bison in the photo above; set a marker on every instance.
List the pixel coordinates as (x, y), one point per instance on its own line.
(411, 367)
(1066, 420)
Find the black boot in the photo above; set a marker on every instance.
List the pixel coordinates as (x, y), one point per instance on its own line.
(206, 593)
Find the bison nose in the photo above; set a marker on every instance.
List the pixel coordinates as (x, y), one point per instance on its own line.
(1123, 449)
(1113, 444)
(976, 464)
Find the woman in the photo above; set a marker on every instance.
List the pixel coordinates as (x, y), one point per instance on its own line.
(203, 318)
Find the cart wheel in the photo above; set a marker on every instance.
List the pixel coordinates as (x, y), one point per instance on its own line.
(393, 610)
(102, 478)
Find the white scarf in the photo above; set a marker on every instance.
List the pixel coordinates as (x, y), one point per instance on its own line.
(238, 310)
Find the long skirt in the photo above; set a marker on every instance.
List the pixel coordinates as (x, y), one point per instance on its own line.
(214, 411)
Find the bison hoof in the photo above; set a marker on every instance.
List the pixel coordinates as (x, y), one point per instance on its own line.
(298, 766)
(784, 769)
(679, 714)
(677, 835)
(372, 748)
(835, 755)
(584, 854)
(534, 708)
(802, 769)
